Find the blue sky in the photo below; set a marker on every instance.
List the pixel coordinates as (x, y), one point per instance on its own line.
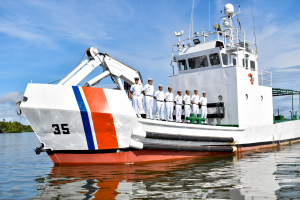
(43, 40)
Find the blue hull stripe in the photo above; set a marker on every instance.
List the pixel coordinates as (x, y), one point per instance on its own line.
(85, 119)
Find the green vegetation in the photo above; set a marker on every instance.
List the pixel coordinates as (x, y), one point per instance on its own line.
(14, 127)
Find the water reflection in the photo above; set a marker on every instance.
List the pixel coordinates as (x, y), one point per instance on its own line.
(256, 175)
(126, 181)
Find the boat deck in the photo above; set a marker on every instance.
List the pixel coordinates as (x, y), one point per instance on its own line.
(187, 125)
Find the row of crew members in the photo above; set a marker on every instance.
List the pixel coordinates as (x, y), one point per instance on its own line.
(136, 90)
(191, 104)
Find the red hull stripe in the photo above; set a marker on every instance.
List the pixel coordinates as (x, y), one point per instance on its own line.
(142, 156)
(102, 118)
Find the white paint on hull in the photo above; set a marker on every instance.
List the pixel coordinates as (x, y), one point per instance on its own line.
(247, 135)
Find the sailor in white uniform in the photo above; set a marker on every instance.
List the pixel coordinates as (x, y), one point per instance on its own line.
(203, 103)
(159, 96)
(195, 102)
(178, 106)
(148, 91)
(136, 91)
(187, 105)
(169, 98)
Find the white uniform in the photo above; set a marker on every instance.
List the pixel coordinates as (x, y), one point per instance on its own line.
(195, 99)
(178, 107)
(203, 101)
(187, 106)
(169, 97)
(136, 90)
(149, 89)
(159, 104)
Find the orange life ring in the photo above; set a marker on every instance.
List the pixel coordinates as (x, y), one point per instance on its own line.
(251, 78)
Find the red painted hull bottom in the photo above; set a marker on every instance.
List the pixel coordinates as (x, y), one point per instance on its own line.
(142, 156)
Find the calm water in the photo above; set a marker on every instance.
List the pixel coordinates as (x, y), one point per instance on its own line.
(257, 175)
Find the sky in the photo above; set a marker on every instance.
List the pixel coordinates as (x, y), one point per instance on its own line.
(42, 41)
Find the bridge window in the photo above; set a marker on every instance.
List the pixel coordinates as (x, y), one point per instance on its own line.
(225, 59)
(233, 61)
(214, 59)
(198, 62)
(252, 64)
(182, 65)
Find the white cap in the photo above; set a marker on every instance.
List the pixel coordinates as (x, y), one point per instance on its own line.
(179, 91)
(169, 87)
(160, 85)
(203, 92)
(195, 89)
(150, 79)
(187, 91)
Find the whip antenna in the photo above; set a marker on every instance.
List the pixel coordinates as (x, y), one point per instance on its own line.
(209, 15)
(254, 28)
(192, 21)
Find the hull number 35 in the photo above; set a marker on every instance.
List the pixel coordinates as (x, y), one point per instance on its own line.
(64, 129)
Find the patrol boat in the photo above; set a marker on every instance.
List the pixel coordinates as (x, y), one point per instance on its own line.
(90, 125)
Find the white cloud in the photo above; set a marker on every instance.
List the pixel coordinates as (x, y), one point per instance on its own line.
(8, 107)
(11, 98)
(287, 69)
(47, 22)
(21, 30)
(278, 45)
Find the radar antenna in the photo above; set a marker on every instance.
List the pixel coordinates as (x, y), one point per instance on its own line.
(178, 35)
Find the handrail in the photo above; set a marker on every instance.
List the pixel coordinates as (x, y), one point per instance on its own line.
(262, 80)
(230, 37)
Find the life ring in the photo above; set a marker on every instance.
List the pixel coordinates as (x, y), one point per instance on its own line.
(251, 78)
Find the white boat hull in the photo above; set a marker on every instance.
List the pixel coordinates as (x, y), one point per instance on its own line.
(79, 125)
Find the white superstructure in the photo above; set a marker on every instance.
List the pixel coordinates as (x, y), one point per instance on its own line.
(226, 68)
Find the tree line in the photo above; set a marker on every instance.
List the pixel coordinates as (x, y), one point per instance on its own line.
(14, 127)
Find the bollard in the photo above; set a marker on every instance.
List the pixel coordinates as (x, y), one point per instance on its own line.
(194, 119)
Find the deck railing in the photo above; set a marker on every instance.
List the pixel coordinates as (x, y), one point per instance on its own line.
(264, 78)
(231, 38)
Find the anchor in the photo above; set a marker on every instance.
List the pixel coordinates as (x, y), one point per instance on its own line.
(40, 149)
